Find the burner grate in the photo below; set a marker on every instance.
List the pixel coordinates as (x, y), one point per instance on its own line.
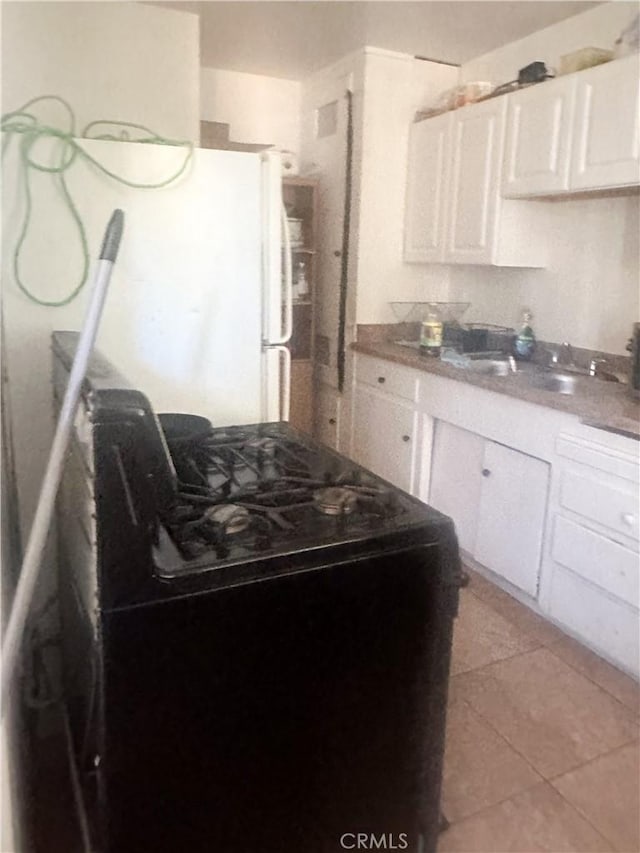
(242, 493)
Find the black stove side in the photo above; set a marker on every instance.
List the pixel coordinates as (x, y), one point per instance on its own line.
(281, 716)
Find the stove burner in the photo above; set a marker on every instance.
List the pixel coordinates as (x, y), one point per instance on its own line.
(231, 517)
(335, 500)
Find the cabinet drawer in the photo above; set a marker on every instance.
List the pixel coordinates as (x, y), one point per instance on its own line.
(608, 626)
(605, 563)
(608, 501)
(388, 377)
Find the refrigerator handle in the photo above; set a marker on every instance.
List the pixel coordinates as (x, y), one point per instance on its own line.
(285, 383)
(287, 325)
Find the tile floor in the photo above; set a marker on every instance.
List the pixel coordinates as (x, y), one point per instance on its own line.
(543, 737)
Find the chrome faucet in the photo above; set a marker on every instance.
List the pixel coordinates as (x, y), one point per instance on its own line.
(568, 349)
(593, 365)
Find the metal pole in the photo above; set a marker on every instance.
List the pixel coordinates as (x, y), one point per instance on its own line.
(44, 511)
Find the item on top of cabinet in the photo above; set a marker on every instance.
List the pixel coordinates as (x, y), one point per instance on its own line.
(586, 57)
(431, 332)
(524, 343)
(535, 72)
(467, 93)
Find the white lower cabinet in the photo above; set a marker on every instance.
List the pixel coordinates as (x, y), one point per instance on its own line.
(592, 575)
(455, 479)
(384, 435)
(497, 498)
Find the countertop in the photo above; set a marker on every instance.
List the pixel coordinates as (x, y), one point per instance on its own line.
(604, 405)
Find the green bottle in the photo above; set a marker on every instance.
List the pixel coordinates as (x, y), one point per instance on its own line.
(524, 343)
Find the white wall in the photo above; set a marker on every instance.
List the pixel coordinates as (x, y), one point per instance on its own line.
(110, 60)
(258, 109)
(395, 86)
(597, 27)
(588, 294)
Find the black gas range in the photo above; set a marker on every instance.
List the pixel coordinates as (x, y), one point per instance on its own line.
(257, 636)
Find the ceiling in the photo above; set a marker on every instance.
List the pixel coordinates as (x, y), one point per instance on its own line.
(293, 39)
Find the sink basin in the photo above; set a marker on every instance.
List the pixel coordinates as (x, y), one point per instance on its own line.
(490, 367)
(559, 383)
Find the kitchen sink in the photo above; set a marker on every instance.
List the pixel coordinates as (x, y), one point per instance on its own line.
(490, 367)
(560, 383)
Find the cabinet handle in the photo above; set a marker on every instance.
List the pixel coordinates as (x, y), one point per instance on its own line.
(381, 380)
(337, 253)
(332, 421)
(406, 438)
(628, 518)
(486, 472)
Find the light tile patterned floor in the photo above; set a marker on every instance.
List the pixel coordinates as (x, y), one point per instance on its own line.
(543, 737)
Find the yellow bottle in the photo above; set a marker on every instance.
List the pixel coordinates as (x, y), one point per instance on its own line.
(431, 333)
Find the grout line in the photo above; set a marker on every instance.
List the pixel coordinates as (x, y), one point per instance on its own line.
(583, 815)
(590, 761)
(497, 803)
(513, 624)
(503, 737)
(597, 831)
(549, 645)
(629, 710)
(498, 660)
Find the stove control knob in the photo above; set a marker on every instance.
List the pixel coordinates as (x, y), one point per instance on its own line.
(406, 438)
(486, 472)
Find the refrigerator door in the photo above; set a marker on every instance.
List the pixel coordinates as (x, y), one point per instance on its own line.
(276, 366)
(183, 318)
(278, 290)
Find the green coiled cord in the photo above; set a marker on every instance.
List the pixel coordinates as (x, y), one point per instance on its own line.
(26, 125)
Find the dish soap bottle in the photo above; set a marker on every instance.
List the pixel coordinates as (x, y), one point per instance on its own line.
(431, 332)
(524, 343)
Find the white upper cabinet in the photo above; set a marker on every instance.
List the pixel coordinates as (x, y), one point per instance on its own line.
(575, 133)
(425, 199)
(454, 211)
(538, 143)
(605, 150)
(482, 227)
(476, 154)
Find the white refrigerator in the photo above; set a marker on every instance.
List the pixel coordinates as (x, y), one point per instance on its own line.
(199, 305)
(199, 308)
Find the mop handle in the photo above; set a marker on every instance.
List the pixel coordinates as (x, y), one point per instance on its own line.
(42, 520)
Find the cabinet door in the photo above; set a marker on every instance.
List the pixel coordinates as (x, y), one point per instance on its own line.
(455, 479)
(605, 152)
(327, 415)
(425, 198)
(538, 139)
(511, 517)
(384, 436)
(477, 142)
